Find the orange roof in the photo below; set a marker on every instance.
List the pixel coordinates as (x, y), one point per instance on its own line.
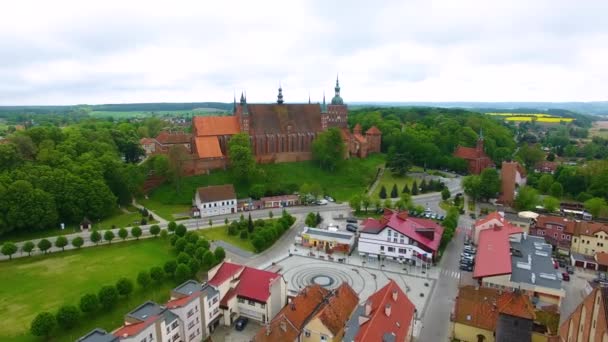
(515, 304)
(208, 147)
(379, 324)
(215, 125)
(602, 258)
(338, 309)
(179, 302)
(165, 137)
(134, 329)
(360, 138)
(373, 130)
(468, 153)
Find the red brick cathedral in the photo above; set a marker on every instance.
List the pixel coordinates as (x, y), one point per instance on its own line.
(279, 132)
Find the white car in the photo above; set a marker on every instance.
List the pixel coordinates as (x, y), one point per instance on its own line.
(322, 202)
(330, 199)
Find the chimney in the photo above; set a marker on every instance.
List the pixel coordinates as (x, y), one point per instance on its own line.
(395, 293)
(387, 310)
(368, 308)
(283, 326)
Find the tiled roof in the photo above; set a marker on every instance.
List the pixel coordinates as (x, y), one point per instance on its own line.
(493, 253)
(585, 327)
(589, 228)
(338, 309)
(360, 138)
(495, 215)
(468, 153)
(480, 307)
(173, 138)
(373, 130)
(226, 271)
(378, 323)
(215, 193)
(288, 323)
(208, 147)
(253, 284)
(547, 166)
(135, 328)
(215, 125)
(284, 118)
(602, 258)
(147, 141)
(408, 226)
(357, 127)
(227, 297)
(179, 302)
(543, 220)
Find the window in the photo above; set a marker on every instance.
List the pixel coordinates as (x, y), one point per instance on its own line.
(144, 340)
(567, 237)
(555, 235)
(263, 305)
(215, 299)
(388, 232)
(191, 337)
(190, 325)
(391, 249)
(190, 313)
(241, 300)
(575, 240)
(395, 239)
(250, 302)
(402, 251)
(323, 338)
(216, 310)
(151, 338)
(175, 337)
(307, 333)
(168, 330)
(382, 248)
(174, 325)
(401, 240)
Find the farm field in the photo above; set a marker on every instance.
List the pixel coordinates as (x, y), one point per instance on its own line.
(143, 114)
(527, 117)
(599, 129)
(46, 282)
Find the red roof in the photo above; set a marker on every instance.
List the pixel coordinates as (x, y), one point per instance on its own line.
(224, 302)
(408, 226)
(495, 215)
(147, 141)
(225, 272)
(208, 147)
(173, 138)
(373, 130)
(253, 284)
(468, 153)
(179, 302)
(135, 328)
(215, 125)
(494, 251)
(379, 324)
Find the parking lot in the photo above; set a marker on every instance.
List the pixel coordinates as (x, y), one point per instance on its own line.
(230, 334)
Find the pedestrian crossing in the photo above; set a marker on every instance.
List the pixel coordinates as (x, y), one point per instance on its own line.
(450, 273)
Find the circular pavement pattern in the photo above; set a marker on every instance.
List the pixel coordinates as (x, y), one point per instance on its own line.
(328, 276)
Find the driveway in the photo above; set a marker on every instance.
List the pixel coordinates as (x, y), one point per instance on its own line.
(230, 334)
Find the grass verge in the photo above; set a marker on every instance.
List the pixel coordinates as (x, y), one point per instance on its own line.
(221, 233)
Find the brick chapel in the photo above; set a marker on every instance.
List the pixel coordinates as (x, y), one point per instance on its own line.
(279, 132)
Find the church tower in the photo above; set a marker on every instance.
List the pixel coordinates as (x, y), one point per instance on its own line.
(243, 114)
(479, 146)
(337, 111)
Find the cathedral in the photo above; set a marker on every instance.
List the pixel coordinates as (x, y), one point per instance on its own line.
(279, 132)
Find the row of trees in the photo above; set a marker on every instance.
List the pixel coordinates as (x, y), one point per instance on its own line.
(449, 224)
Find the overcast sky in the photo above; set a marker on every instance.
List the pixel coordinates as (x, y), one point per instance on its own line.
(71, 52)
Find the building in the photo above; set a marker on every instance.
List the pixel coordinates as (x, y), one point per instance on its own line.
(491, 221)
(215, 200)
(509, 260)
(326, 240)
(245, 291)
(546, 167)
(150, 322)
(557, 230)
(476, 158)
(399, 237)
(519, 220)
(488, 315)
(279, 132)
(280, 201)
(164, 141)
(387, 315)
(589, 321)
(512, 176)
(589, 245)
(197, 305)
(98, 335)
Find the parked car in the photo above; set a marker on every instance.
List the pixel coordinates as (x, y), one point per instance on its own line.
(561, 263)
(565, 276)
(351, 228)
(241, 323)
(322, 202)
(330, 199)
(570, 269)
(441, 218)
(472, 215)
(469, 249)
(351, 220)
(464, 256)
(467, 268)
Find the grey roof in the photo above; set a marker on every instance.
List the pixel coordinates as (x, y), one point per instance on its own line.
(98, 335)
(344, 236)
(145, 310)
(535, 249)
(513, 217)
(169, 316)
(190, 286)
(210, 290)
(352, 326)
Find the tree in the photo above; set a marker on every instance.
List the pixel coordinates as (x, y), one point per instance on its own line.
(157, 274)
(155, 230)
(596, 206)
(182, 273)
(95, 237)
(551, 204)
(556, 190)
(366, 201)
(530, 154)
(123, 233)
(9, 248)
(424, 186)
(414, 188)
(328, 149)
(270, 215)
(399, 163)
(109, 236)
(170, 267)
(406, 189)
(242, 162)
(172, 226)
(180, 244)
(490, 183)
(28, 247)
(176, 156)
(382, 193)
(544, 183)
(43, 324)
(311, 220)
(526, 199)
(394, 191)
(378, 204)
(445, 194)
(67, 316)
(355, 203)
(181, 230)
(136, 232)
(250, 226)
(89, 303)
(472, 187)
(44, 245)
(143, 279)
(124, 286)
(208, 259)
(388, 204)
(108, 297)
(77, 242)
(219, 254)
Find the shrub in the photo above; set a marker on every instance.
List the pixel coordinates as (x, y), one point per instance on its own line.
(143, 279)
(108, 236)
(155, 230)
(44, 245)
(77, 242)
(67, 316)
(172, 226)
(394, 191)
(9, 248)
(108, 297)
(95, 237)
(136, 232)
(43, 324)
(124, 286)
(61, 242)
(28, 247)
(88, 303)
(123, 233)
(382, 193)
(244, 235)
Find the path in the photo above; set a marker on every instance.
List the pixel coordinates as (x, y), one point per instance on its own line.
(376, 182)
(158, 218)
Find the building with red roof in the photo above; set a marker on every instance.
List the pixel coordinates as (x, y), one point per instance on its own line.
(165, 140)
(387, 315)
(249, 292)
(476, 158)
(399, 237)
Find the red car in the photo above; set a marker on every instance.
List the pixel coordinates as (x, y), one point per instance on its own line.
(565, 276)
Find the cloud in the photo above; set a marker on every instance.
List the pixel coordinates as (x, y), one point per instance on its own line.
(66, 52)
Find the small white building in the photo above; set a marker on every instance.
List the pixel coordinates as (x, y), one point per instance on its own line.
(215, 200)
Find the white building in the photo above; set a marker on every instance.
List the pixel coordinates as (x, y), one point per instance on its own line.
(215, 200)
(197, 305)
(150, 322)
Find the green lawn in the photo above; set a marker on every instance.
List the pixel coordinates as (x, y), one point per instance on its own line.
(388, 179)
(352, 177)
(167, 211)
(120, 219)
(221, 233)
(43, 283)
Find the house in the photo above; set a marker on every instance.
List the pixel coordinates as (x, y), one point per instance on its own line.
(387, 315)
(589, 243)
(476, 158)
(197, 305)
(98, 335)
(589, 321)
(249, 292)
(546, 167)
(164, 141)
(488, 314)
(493, 220)
(519, 220)
(150, 322)
(280, 201)
(340, 241)
(399, 237)
(512, 176)
(510, 260)
(215, 200)
(557, 230)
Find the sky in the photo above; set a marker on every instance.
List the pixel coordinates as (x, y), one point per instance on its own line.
(76, 52)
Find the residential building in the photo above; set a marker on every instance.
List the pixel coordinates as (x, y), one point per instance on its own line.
(280, 201)
(387, 315)
(326, 240)
(249, 292)
(508, 259)
(400, 237)
(521, 221)
(546, 167)
(215, 200)
(493, 220)
(588, 322)
(98, 335)
(512, 176)
(197, 305)
(590, 237)
(165, 140)
(150, 322)
(488, 315)
(476, 158)
(557, 230)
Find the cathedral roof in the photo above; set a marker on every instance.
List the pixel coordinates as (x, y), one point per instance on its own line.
(275, 118)
(216, 125)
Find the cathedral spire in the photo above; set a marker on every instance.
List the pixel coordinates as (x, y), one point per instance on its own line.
(234, 105)
(324, 108)
(337, 100)
(280, 96)
(308, 97)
